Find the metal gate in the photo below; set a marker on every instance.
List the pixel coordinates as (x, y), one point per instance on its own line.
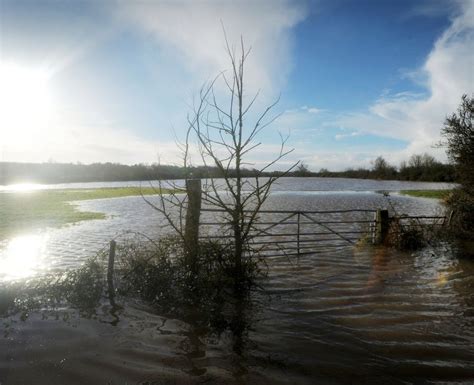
(294, 232)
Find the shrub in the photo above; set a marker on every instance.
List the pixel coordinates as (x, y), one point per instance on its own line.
(405, 235)
(160, 276)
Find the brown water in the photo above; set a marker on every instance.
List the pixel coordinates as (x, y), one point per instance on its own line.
(355, 316)
(347, 315)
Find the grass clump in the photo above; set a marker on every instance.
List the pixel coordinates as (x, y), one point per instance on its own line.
(434, 194)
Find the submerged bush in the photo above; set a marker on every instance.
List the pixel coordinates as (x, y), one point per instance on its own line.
(160, 276)
(80, 288)
(406, 236)
(155, 273)
(407, 233)
(83, 288)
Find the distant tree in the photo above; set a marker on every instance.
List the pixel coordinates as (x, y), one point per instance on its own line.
(458, 132)
(382, 169)
(324, 172)
(302, 170)
(421, 160)
(380, 164)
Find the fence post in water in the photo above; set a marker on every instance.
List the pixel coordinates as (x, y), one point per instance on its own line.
(298, 233)
(381, 226)
(449, 219)
(110, 273)
(191, 229)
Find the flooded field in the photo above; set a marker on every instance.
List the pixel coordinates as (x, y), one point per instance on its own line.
(347, 315)
(52, 249)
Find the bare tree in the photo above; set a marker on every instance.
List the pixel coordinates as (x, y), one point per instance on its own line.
(226, 140)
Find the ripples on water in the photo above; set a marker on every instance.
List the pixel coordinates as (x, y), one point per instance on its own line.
(351, 315)
(359, 314)
(283, 184)
(57, 249)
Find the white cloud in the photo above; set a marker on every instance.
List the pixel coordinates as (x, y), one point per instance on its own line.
(190, 43)
(447, 74)
(297, 119)
(87, 143)
(334, 160)
(349, 135)
(193, 30)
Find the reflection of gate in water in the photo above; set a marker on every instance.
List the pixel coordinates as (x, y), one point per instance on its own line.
(295, 232)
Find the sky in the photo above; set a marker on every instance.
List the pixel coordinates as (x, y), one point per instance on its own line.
(114, 81)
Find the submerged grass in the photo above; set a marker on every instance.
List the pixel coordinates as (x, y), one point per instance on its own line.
(80, 289)
(27, 211)
(156, 275)
(435, 194)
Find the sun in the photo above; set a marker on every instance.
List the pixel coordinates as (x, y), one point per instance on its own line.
(25, 102)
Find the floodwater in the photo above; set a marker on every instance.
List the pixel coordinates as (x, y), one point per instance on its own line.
(47, 250)
(346, 315)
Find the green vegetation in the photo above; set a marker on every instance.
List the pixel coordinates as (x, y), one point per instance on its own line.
(80, 289)
(419, 167)
(160, 276)
(155, 274)
(436, 194)
(458, 132)
(32, 210)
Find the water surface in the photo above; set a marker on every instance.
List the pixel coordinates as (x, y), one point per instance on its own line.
(345, 315)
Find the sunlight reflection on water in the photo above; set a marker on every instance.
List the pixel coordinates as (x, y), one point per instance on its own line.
(22, 187)
(59, 249)
(22, 256)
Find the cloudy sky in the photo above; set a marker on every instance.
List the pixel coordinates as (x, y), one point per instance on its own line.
(97, 81)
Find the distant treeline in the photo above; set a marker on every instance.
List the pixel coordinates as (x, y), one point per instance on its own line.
(417, 168)
(11, 172)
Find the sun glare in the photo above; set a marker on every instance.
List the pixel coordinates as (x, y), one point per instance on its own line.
(22, 256)
(25, 101)
(22, 187)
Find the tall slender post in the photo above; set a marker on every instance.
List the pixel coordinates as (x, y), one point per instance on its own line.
(381, 226)
(110, 273)
(298, 234)
(447, 221)
(191, 230)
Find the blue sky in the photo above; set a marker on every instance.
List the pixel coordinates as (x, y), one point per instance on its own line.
(114, 80)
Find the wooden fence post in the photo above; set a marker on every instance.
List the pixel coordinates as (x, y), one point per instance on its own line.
(381, 226)
(191, 229)
(298, 235)
(449, 219)
(110, 273)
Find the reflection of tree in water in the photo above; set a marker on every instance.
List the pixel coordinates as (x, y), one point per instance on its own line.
(230, 318)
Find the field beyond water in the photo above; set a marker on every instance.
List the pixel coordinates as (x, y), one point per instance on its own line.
(435, 194)
(30, 210)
